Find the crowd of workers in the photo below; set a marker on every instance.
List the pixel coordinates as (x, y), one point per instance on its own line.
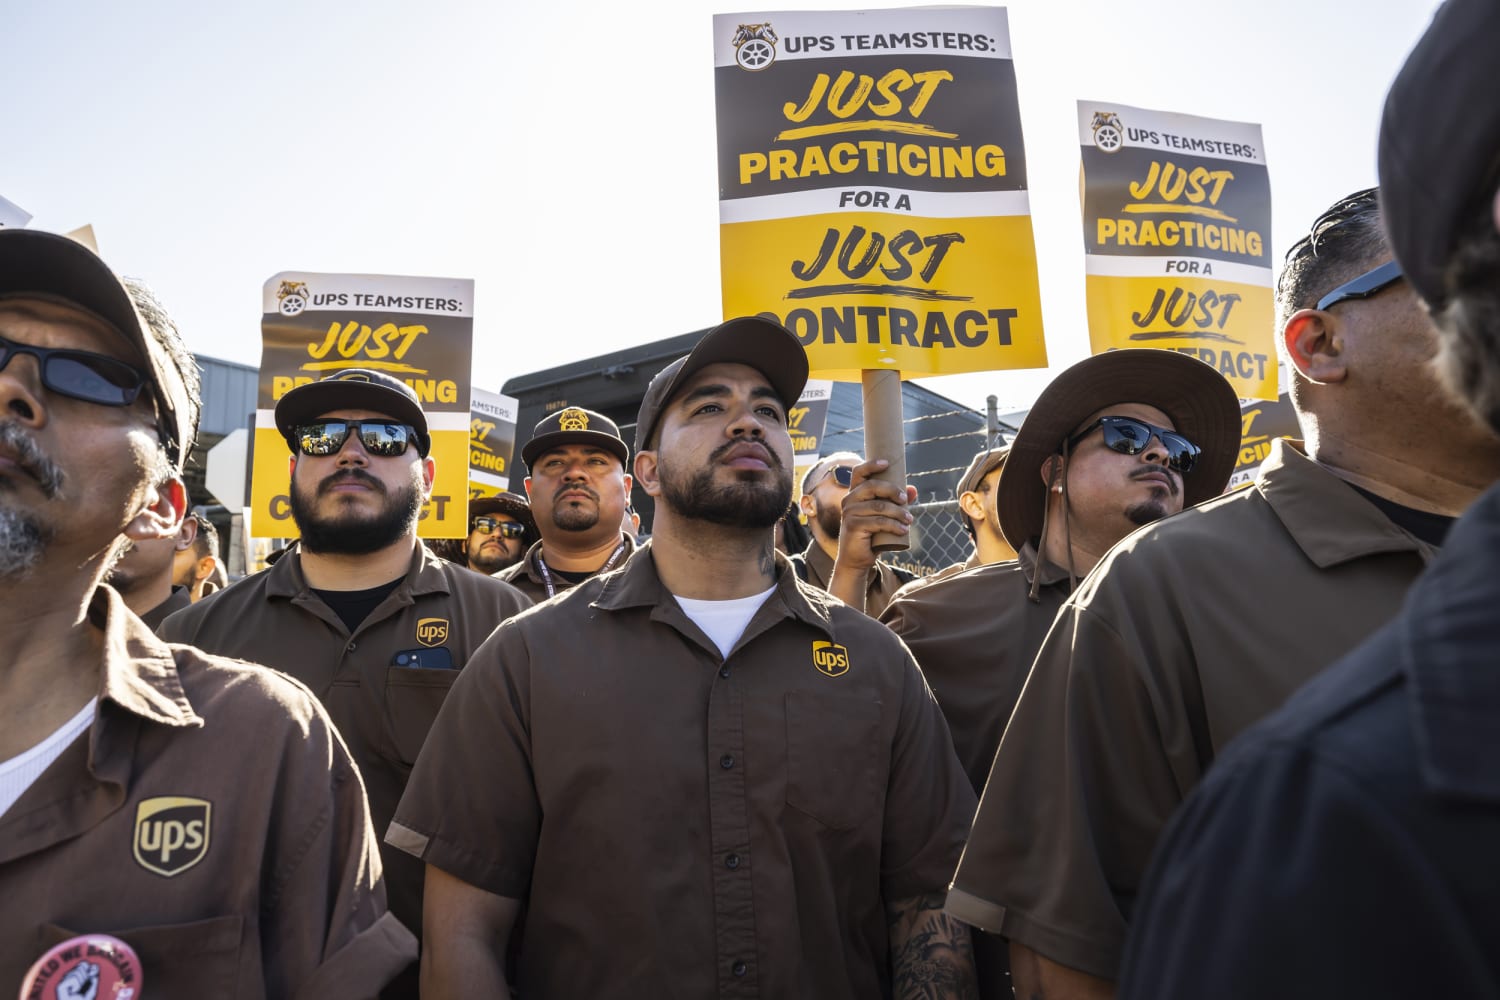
(1151, 740)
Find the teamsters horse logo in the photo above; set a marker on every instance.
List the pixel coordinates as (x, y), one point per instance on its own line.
(1109, 134)
(292, 297)
(755, 46)
(573, 419)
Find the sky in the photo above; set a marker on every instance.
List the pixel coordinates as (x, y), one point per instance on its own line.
(563, 154)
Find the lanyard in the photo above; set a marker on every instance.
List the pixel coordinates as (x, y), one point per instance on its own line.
(541, 567)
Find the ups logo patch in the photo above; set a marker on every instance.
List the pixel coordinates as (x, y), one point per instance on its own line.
(830, 658)
(171, 833)
(432, 631)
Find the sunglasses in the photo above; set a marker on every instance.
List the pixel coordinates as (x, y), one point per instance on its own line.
(379, 437)
(1367, 285)
(843, 475)
(490, 525)
(93, 378)
(1130, 436)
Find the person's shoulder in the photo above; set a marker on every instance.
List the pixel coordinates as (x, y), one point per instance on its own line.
(222, 689)
(463, 580)
(225, 605)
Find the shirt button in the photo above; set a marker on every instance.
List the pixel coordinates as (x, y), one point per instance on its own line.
(726, 761)
(739, 968)
(349, 648)
(723, 671)
(732, 862)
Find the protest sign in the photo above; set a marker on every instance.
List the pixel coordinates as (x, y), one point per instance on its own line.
(872, 185)
(13, 215)
(807, 421)
(1177, 226)
(419, 330)
(1260, 423)
(492, 442)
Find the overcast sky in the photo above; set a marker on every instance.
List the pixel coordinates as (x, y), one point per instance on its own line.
(562, 154)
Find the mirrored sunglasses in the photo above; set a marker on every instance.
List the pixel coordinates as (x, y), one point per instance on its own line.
(490, 525)
(379, 437)
(1130, 436)
(93, 378)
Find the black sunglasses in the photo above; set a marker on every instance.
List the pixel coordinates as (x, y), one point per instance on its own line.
(490, 525)
(842, 474)
(93, 378)
(379, 437)
(1130, 436)
(1369, 284)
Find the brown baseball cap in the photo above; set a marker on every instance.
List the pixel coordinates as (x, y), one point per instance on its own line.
(49, 266)
(764, 345)
(1199, 401)
(982, 465)
(352, 389)
(575, 425)
(1439, 151)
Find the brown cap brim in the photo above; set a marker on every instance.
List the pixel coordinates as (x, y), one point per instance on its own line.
(768, 347)
(1200, 402)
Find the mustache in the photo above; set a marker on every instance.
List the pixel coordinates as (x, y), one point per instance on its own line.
(351, 475)
(574, 488)
(32, 459)
(1174, 486)
(771, 457)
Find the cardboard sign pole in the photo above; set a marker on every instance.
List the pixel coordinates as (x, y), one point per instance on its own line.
(884, 438)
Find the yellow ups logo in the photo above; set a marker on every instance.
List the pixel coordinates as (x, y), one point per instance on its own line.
(830, 658)
(171, 833)
(432, 631)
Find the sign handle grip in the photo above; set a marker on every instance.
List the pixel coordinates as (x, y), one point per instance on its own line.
(885, 438)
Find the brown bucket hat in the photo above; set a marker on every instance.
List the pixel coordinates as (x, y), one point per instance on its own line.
(1200, 402)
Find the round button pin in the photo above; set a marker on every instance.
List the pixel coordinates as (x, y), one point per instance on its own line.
(87, 967)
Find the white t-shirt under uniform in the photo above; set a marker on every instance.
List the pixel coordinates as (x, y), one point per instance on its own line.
(724, 621)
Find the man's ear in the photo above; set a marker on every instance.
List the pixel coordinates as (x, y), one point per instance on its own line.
(429, 473)
(166, 505)
(1051, 471)
(527, 483)
(647, 473)
(629, 485)
(187, 534)
(1314, 347)
(972, 505)
(203, 568)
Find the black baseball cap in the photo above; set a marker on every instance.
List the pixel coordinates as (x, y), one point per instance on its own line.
(575, 425)
(764, 345)
(49, 266)
(1439, 152)
(352, 389)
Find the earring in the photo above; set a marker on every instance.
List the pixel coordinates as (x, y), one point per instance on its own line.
(1057, 488)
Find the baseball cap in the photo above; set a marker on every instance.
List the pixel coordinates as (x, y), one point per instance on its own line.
(982, 465)
(766, 346)
(1200, 402)
(33, 262)
(575, 425)
(1439, 152)
(352, 389)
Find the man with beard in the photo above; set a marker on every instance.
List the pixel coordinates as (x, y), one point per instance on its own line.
(359, 610)
(202, 810)
(579, 489)
(1196, 627)
(1345, 846)
(698, 775)
(823, 490)
(197, 567)
(500, 529)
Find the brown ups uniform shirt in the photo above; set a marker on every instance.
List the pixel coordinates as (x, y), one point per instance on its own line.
(1189, 631)
(880, 587)
(530, 577)
(212, 819)
(685, 825)
(382, 708)
(181, 597)
(974, 635)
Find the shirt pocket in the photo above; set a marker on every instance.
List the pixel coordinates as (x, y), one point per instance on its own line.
(831, 756)
(198, 959)
(413, 697)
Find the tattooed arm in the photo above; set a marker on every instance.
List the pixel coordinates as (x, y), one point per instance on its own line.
(932, 957)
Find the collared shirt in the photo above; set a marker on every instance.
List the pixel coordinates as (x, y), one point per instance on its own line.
(683, 824)
(881, 582)
(530, 577)
(922, 581)
(212, 819)
(974, 635)
(381, 703)
(181, 597)
(1186, 633)
(1351, 834)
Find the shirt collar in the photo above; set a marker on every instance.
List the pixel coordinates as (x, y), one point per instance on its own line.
(1032, 564)
(139, 670)
(1447, 637)
(1330, 522)
(425, 574)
